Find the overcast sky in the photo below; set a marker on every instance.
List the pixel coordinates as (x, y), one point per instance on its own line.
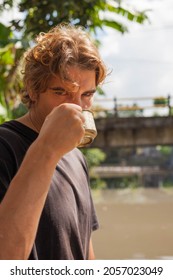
(142, 59)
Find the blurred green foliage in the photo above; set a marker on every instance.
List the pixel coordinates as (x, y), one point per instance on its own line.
(94, 157)
(39, 16)
(160, 101)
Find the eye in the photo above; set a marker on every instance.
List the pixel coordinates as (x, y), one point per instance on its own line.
(88, 94)
(61, 92)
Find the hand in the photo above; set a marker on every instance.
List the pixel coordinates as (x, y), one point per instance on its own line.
(63, 128)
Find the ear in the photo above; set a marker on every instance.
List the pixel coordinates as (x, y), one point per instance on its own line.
(33, 96)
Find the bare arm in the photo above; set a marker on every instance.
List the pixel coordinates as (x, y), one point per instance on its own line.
(91, 255)
(21, 208)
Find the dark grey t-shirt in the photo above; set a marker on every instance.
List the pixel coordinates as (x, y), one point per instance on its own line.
(68, 217)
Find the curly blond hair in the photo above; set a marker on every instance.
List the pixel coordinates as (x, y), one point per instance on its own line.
(63, 46)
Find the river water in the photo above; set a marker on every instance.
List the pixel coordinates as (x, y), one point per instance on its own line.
(134, 224)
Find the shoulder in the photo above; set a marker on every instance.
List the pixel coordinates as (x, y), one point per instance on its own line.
(15, 139)
(78, 155)
(74, 163)
(15, 132)
(10, 131)
(7, 136)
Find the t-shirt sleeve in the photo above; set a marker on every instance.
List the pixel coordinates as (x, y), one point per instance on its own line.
(94, 219)
(6, 169)
(4, 179)
(95, 223)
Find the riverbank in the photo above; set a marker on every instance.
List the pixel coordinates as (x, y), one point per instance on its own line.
(134, 224)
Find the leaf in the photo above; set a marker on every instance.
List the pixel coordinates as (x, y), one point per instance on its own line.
(116, 25)
(6, 55)
(136, 16)
(5, 33)
(100, 91)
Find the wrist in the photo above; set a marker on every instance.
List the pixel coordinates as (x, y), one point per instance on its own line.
(45, 152)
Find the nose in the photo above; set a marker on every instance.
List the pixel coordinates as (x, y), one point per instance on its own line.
(77, 100)
(80, 101)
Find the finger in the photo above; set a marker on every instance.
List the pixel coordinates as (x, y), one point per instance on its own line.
(71, 105)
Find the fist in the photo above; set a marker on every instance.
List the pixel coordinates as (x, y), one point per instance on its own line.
(63, 128)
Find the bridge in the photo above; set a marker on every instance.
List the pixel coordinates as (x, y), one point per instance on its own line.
(136, 131)
(117, 131)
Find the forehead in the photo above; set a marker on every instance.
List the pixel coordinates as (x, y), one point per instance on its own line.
(78, 78)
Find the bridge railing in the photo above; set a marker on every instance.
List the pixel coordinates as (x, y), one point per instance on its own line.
(133, 106)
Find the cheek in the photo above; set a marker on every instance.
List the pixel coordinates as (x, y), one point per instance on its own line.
(49, 101)
(46, 105)
(87, 103)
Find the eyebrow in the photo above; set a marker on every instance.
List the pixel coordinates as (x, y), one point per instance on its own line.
(63, 89)
(57, 88)
(90, 91)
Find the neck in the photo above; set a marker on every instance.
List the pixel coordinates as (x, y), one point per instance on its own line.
(31, 121)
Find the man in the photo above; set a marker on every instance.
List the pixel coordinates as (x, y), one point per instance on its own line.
(47, 210)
